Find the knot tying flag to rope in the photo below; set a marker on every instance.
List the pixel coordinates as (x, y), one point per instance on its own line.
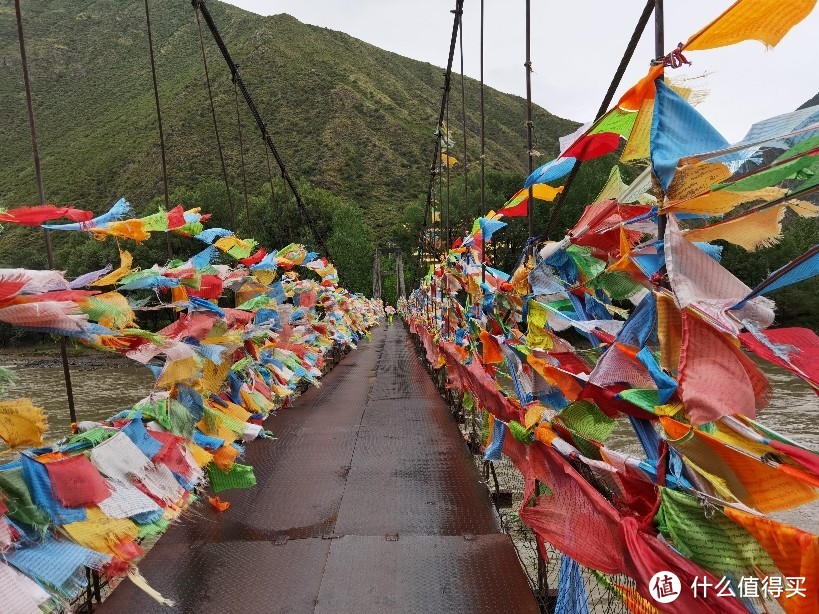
(675, 59)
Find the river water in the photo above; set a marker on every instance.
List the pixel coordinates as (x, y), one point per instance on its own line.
(101, 391)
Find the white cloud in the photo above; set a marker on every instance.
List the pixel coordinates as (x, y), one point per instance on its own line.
(576, 47)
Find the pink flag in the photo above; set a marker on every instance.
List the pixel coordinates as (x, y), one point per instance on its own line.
(716, 378)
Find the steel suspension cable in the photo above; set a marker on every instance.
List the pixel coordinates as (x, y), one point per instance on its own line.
(248, 221)
(439, 205)
(234, 71)
(38, 174)
(278, 212)
(159, 123)
(459, 4)
(463, 117)
(483, 157)
(447, 234)
(213, 115)
(615, 83)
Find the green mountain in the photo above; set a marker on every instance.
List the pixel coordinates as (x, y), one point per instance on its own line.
(346, 116)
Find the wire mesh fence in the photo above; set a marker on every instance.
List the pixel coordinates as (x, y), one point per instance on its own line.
(600, 593)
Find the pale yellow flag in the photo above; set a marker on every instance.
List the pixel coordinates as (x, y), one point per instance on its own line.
(614, 186)
(752, 231)
(637, 147)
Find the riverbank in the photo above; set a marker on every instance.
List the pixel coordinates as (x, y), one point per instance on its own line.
(47, 355)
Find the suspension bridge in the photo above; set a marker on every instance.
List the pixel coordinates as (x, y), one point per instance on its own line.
(367, 501)
(391, 455)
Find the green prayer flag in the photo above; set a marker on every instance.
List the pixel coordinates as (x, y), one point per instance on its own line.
(617, 284)
(586, 419)
(18, 499)
(644, 398)
(618, 121)
(769, 177)
(239, 476)
(519, 432)
(591, 266)
(709, 538)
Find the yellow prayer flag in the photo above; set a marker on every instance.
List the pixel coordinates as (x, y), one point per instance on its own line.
(180, 370)
(126, 260)
(21, 423)
(264, 277)
(101, 533)
(533, 415)
(695, 179)
(669, 332)
(614, 186)
(766, 21)
(722, 201)
(537, 336)
(448, 161)
(541, 191)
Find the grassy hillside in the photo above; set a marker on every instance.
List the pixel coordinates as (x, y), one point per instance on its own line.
(347, 117)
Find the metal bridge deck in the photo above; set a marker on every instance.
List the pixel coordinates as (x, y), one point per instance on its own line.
(367, 501)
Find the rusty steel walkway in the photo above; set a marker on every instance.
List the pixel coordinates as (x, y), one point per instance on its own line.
(367, 502)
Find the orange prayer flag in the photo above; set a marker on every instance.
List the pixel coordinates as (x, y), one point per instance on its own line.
(491, 348)
(642, 90)
(126, 260)
(542, 191)
(795, 553)
(750, 480)
(224, 457)
(568, 385)
(218, 504)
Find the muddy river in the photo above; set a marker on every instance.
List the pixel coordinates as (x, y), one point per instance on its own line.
(103, 387)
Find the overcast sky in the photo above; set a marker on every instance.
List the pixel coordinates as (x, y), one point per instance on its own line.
(576, 47)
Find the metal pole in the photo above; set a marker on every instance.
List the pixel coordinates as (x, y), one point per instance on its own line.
(447, 233)
(463, 117)
(483, 161)
(529, 124)
(159, 122)
(38, 173)
(659, 52)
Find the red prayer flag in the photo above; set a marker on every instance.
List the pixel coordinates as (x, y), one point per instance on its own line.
(210, 287)
(591, 146)
(517, 206)
(255, 258)
(800, 345)
(716, 378)
(176, 217)
(34, 216)
(76, 482)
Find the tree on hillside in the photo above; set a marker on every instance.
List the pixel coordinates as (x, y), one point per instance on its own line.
(351, 247)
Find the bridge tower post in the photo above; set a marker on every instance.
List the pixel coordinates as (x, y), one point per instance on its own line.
(377, 274)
